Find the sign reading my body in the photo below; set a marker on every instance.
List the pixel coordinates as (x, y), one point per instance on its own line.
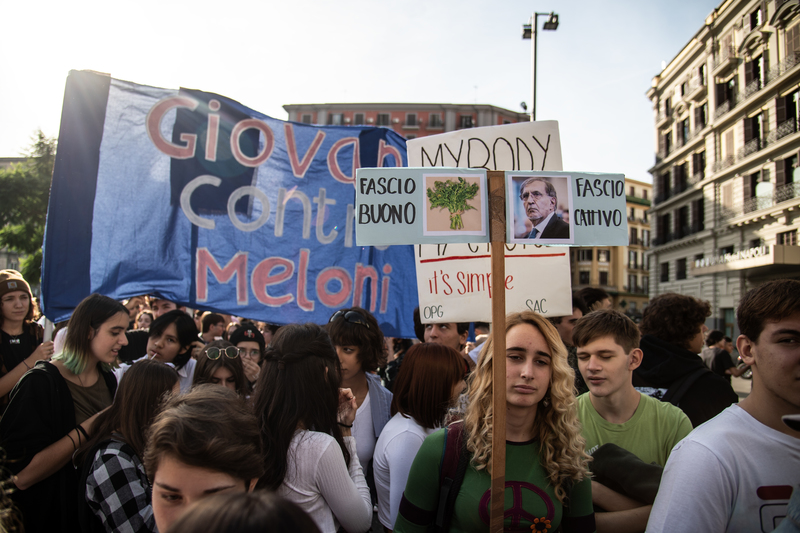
(390, 213)
(599, 188)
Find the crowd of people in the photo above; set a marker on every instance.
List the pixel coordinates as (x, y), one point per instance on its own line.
(143, 416)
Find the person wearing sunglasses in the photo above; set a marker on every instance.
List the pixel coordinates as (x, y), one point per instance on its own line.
(220, 363)
(361, 349)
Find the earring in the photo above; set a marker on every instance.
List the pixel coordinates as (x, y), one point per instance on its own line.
(546, 401)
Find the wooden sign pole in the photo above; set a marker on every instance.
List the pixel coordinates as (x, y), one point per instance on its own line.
(497, 228)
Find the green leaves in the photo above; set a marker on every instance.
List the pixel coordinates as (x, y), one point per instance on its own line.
(453, 196)
(24, 194)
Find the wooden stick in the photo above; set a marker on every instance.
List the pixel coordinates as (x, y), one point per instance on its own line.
(498, 238)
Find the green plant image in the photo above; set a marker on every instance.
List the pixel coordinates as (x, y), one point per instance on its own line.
(453, 196)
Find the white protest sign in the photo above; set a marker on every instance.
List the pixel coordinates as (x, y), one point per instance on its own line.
(421, 205)
(540, 283)
(454, 281)
(577, 208)
(520, 146)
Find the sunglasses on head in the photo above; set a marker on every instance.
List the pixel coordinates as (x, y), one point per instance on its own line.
(231, 352)
(354, 317)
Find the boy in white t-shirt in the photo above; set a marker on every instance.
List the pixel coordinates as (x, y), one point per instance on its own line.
(736, 472)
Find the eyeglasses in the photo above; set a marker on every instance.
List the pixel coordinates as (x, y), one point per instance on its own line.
(231, 352)
(536, 196)
(354, 317)
(255, 353)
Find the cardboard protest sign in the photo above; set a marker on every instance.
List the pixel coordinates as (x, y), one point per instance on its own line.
(205, 202)
(454, 281)
(521, 146)
(420, 205)
(526, 146)
(566, 208)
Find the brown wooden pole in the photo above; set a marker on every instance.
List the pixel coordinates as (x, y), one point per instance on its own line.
(497, 228)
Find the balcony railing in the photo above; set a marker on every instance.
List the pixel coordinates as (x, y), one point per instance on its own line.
(752, 88)
(757, 203)
(727, 105)
(697, 88)
(697, 177)
(635, 289)
(725, 58)
(778, 70)
(752, 146)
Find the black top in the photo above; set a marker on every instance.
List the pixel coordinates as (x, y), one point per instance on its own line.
(722, 362)
(664, 364)
(14, 349)
(41, 412)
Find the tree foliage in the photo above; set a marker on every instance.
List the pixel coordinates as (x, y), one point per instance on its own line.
(24, 194)
(453, 196)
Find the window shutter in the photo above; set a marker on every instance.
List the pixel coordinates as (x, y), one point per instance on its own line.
(780, 172)
(662, 147)
(680, 134)
(780, 110)
(722, 94)
(747, 190)
(746, 24)
(748, 130)
(698, 117)
(749, 72)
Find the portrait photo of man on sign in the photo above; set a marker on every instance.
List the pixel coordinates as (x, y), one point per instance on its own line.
(541, 209)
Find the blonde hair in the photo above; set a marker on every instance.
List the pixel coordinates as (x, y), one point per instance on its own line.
(561, 447)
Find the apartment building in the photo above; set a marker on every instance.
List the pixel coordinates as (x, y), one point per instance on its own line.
(725, 179)
(620, 270)
(409, 120)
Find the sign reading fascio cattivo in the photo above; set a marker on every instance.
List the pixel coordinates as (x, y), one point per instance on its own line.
(198, 199)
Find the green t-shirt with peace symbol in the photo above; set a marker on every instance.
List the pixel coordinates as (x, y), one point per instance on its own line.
(529, 498)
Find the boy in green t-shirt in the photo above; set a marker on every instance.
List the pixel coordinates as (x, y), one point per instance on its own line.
(613, 411)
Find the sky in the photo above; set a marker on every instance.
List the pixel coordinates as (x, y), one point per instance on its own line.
(593, 71)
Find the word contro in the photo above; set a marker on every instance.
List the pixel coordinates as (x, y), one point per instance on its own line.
(600, 187)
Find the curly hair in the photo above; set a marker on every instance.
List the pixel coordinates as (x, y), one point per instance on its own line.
(562, 449)
(674, 318)
(363, 332)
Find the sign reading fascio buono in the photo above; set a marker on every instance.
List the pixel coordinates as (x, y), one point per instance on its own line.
(420, 205)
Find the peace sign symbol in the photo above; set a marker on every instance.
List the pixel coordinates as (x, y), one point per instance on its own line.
(516, 512)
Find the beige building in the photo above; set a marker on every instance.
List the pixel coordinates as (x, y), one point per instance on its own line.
(620, 270)
(408, 119)
(725, 179)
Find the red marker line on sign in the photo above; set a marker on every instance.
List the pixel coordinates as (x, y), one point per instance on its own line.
(461, 257)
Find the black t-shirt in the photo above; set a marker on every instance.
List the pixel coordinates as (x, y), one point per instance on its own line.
(722, 362)
(16, 348)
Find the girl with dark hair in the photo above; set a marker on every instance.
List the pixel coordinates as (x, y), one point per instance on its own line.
(20, 337)
(361, 349)
(429, 382)
(253, 512)
(204, 442)
(115, 490)
(144, 319)
(306, 419)
(220, 363)
(546, 465)
(170, 341)
(52, 411)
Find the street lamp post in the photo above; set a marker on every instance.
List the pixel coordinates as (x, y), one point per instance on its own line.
(529, 31)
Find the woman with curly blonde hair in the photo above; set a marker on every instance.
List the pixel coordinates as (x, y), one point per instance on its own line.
(547, 478)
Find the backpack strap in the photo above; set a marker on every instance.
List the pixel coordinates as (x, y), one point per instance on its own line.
(675, 393)
(455, 459)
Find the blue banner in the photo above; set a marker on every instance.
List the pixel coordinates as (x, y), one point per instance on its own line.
(194, 197)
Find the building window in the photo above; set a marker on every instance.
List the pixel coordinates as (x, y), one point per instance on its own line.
(667, 107)
(465, 121)
(755, 19)
(701, 73)
(700, 116)
(684, 88)
(644, 195)
(583, 277)
(585, 254)
(699, 165)
(787, 238)
(411, 119)
(633, 259)
(358, 119)
(645, 237)
(793, 39)
(335, 119)
(633, 190)
(306, 119)
(603, 255)
(667, 143)
(664, 272)
(435, 120)
(632, 283)
(603, 277)
(383, 119)
(645, 284)
(680, 269)
(726, 250)
(683, 131)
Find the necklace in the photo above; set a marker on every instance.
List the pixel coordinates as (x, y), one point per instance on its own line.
(15, 339)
